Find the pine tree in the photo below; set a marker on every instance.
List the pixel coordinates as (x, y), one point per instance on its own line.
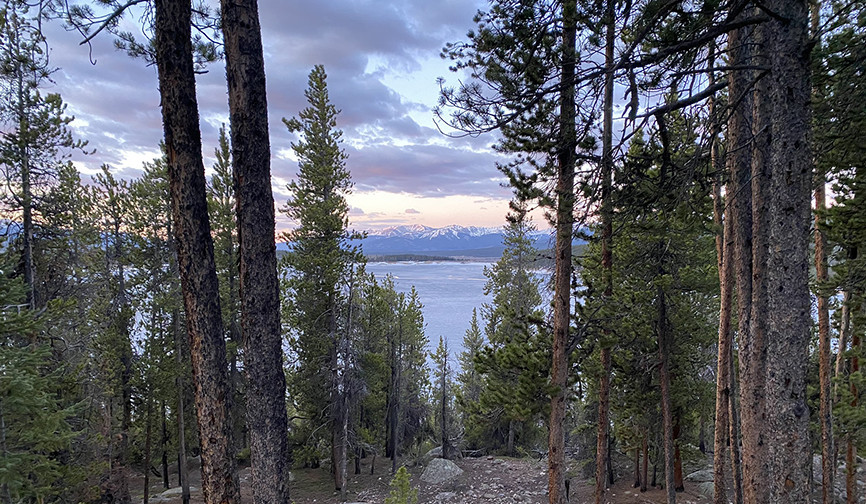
(35, 135)
(469, 378)
(443, 382)
(514, 362)
(320, 258)
(35, 427)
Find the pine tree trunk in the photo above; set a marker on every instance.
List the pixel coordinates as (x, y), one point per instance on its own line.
(850, 470)
(738, 163)
(344, 448)
(844, 331)
(821, 276)
(147, 448)
(26, 197)
(121, 323)
(666, 407)
(195, 248)
(645, 472)
(601, 446)
(637, 480)
(734, 424)
(702, 435)
(509, 449)
(259, 291)
(563, 266)
(165, 482)
(781, 320)
(183, 477)
(725, 256)
(396, 368)
(824, 365)
(851, 453)
(679, 484)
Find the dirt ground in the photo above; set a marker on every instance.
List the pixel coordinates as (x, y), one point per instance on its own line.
(492, 480)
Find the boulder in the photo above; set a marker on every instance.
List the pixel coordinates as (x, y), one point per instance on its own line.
(432, 454)
(702, 476)
(176, 492)
(706, 488)
(439, 471)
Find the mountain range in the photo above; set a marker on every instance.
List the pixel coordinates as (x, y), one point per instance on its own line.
(449, 241)
(446, 241)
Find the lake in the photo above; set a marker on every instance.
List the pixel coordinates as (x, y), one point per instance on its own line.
(449, 290)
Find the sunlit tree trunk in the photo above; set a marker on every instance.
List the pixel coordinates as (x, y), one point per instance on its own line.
(195, 254)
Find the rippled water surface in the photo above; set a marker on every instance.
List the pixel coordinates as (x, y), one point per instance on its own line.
(448, 290)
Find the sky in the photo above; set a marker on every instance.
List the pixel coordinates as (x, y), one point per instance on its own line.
(382, 60)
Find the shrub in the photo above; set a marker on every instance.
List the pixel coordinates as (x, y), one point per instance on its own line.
(401, 491)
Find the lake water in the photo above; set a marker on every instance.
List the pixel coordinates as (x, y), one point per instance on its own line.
(448, 290)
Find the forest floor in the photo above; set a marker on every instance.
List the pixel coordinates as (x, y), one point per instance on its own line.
(484, 480)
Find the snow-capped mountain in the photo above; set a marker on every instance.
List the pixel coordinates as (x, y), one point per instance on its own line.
(449, 240)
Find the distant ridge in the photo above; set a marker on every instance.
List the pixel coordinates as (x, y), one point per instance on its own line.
(417, 239)
(449, 241)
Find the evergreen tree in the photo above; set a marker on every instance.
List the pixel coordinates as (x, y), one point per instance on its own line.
(514, 362)
(320, 258)
(35, 135)
(470, 380)
(35, 427)
(443, 384)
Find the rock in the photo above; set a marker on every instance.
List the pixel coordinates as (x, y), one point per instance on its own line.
(440, 470)
(445, 496)
(176, 492)
(430, 455)
(706, 488)
(817, 469)
(702, 476)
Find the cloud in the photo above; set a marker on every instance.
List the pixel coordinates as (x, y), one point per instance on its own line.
(382, 63)
(411, 211)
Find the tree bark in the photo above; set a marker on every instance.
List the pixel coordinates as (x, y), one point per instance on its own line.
(851, 452)
(844, 330)
(722, 219)
(734, 424)
(147, 439)
(644, 474)
(783, 291)
(563, 267)
(824, 365)
(738, 163)
(195, 249)
(509, 449)
(26, 195)
(666, 407)
(679, 484)
(259, 289)
(601, 446)
(183, 477)
(165, 483)
(637, 480)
